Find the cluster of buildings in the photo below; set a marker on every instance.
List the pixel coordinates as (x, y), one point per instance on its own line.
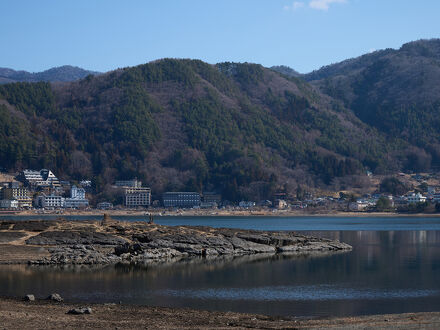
(41, 189)
(369, 202)
(137, 196)
(77, 200)
(12, 195)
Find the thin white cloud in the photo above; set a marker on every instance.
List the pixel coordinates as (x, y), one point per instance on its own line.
(295, 6)
(324, 4)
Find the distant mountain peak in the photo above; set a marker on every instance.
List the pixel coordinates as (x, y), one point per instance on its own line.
(62, 73)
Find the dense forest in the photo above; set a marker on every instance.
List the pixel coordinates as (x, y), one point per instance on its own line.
(242, 130)
(395, 91)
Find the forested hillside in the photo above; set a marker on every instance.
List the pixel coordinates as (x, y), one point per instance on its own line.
(240, 129)
(395, 91)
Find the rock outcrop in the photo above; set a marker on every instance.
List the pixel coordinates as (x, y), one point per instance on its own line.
(123, 242)
(67, 237)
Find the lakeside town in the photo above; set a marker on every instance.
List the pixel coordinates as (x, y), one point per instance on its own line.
(41, 191)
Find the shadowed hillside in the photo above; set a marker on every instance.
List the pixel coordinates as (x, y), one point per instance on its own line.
(395, 91)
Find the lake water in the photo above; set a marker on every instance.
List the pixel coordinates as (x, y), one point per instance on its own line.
(394, 268)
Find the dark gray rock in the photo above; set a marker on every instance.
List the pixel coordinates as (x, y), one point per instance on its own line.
(9, 236)
(55, 297)
(190, 249)
(80, 311)
(86, 255)
(144, 237)
(33, 225)
(310, 246)
(255, 238)
(128, 248)
(242, 246)
(164, 254)
(283, 239)
(74, 238)
(220, 243)
(159, 243)
(288, 248)
(29, 297)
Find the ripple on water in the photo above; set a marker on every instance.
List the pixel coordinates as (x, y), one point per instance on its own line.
(298, 293)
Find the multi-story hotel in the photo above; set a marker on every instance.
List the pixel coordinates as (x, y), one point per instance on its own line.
(137, 196)
(181, 199)
(15, 192)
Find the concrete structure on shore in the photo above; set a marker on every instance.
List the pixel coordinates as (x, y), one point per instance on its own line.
(414, 198)
(72, 203)
(129, 183)
(104, 206)
(8, 204)
(36, 179)
(360, 205)
(15, 192)
(77, 193)
(137, 197)
(77, 199)
(212, 197)
(50, 201)
(181, 199)
(246, 204)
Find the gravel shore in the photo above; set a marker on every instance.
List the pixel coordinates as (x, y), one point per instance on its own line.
(17, 314)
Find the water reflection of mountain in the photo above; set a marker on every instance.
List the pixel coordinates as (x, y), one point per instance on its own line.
(384, 238)
(392, 257)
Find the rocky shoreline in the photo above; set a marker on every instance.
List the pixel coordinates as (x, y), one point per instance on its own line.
(73, 242)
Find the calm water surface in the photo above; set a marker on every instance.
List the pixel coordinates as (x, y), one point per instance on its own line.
(394, 268)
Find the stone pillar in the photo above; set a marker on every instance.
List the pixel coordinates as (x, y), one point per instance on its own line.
(105, 220)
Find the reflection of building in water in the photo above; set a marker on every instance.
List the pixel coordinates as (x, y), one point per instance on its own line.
(403, 246)
(422, 236)
(417, 237)
(391, 236)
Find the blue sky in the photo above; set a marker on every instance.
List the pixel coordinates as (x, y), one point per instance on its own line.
(304, 34)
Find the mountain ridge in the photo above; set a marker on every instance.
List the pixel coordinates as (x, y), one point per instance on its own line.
(63, 73)
(240, 129)
(395, 91)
